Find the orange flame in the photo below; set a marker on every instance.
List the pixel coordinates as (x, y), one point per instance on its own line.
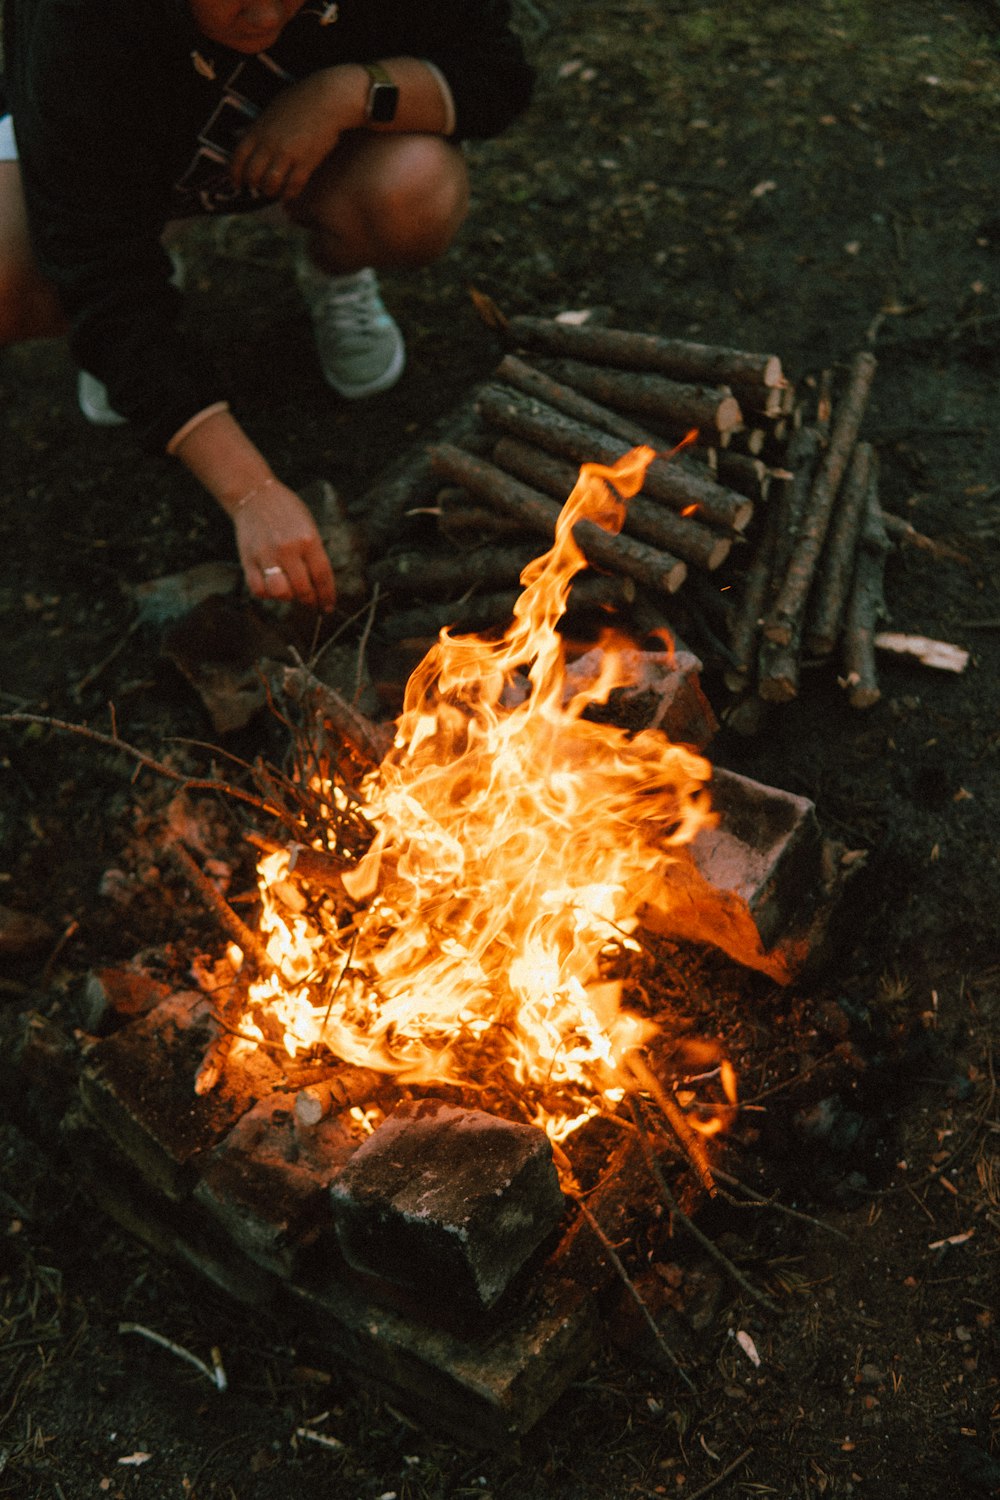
(516, 840)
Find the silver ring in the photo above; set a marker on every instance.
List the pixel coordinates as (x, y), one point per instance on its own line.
(273, 572)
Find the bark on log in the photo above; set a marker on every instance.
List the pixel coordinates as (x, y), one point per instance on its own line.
(537, 423)
(545, 388)
(645, 519)
(712, 409)
(835, 570)
(617, 554)
(788, 607)
(758, 403)
(429, 575)
(777, 671)
(588, 591)
(900, 530)
(679, 359)
(742, 472)
(467, 525)
(745, 630)
(533, 382)
(464, 616)
(865, 606)
(802, 458)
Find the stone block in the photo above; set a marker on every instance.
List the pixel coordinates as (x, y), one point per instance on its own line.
(478, 1392)
(267, 1180)
(753, 884)
(447, 1203)
(665, 693)
(138, 1086)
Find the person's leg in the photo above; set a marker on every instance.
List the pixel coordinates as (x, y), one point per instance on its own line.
(29, 307)
(385, 201)
(378, 201)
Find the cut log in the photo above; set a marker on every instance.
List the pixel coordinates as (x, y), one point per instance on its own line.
(777, 671)
(467, 525)
(835, 570)
(537, 423)
(463, 616)
(746, 622)
(865, 606)
(645, 519)
(432, 575)
(901, 530)
(801, 459)
(788, 608)
(743, 472)
(616, 554)
(533, 382)
(712, 409)
(680, 359)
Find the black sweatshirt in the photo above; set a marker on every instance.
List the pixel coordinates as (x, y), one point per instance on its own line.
(125, 117)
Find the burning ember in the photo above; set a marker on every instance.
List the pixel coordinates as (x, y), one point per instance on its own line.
(515, 842)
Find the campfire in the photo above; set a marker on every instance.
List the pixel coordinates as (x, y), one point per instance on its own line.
(425, 1093)
(513, 843)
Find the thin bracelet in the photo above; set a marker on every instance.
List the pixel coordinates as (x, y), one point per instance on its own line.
(257, 489)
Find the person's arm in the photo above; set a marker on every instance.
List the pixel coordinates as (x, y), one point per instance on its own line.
(299, 129)
(274, 528)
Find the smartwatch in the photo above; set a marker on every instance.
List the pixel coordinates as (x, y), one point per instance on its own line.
(383, 95)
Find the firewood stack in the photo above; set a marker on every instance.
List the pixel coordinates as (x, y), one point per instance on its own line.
(761, 538)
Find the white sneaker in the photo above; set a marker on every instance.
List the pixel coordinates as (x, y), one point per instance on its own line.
(92, 394)
(360, 347)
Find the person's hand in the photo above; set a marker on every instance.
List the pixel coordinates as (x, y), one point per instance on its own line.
(288, 140)
(280, 548)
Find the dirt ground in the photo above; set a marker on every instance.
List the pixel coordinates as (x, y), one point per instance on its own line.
(811, 180)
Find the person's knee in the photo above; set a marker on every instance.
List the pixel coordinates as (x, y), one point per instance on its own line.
(393, 201)
(421, 201)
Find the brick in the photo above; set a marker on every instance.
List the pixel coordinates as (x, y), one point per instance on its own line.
(138, 1086)
(478, 1392)
(755, 884)
(665, 694)
(267, 1180)
(449, 1203)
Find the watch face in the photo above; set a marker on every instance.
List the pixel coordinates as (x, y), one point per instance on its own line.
(382, 102)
